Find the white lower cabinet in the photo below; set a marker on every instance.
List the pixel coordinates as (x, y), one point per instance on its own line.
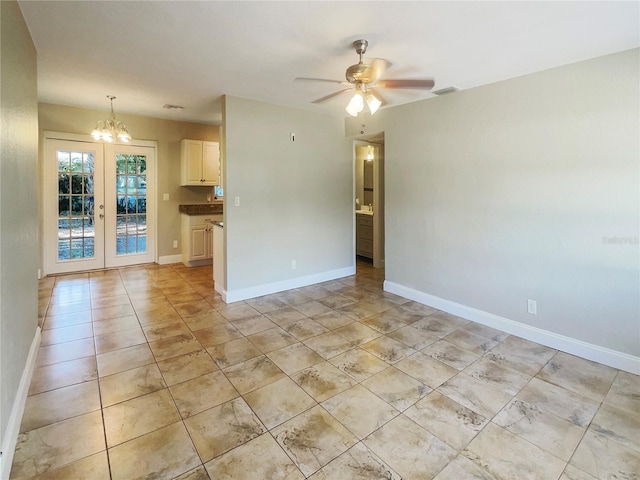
(197, 239)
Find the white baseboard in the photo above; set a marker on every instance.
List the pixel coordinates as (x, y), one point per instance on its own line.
(606, 356)
(268, 288)
(202, 263)
(10, 438)
(167, 259)
(222, 292)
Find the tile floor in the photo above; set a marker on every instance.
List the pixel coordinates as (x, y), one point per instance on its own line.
(145, 373)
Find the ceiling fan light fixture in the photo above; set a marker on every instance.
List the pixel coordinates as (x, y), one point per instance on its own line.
(365, 76)
(356, 104)
(373, 102)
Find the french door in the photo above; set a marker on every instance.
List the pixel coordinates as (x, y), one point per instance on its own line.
(99, 205)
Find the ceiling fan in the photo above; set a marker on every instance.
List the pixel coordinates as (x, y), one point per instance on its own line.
(365, 79)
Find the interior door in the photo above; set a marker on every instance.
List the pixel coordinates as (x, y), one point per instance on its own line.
(129, 205)
(74, 206)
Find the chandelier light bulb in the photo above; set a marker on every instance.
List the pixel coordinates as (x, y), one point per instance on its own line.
(97, 133)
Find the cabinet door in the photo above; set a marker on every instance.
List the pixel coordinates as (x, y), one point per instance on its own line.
(210, 163)
(191, 153)
(199, 242)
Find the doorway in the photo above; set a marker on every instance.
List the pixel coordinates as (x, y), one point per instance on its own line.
(369, 199)
(99, 204)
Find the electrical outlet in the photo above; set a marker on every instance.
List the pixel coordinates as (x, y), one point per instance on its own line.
(532, 307)
(175, 244)
(237, 201)
(165, 197)
(293, 265)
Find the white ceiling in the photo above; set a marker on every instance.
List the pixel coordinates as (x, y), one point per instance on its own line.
(190, 53)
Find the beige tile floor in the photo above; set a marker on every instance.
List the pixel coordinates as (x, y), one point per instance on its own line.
(144, 372)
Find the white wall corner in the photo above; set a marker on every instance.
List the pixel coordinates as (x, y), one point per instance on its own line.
(10, 438)
(222, 292)
(606, 356)
(168, 259)
(275, 287)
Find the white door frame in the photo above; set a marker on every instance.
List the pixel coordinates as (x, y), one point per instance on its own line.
(50, 207)
(111, 257)
(47, 186)
(378, 200)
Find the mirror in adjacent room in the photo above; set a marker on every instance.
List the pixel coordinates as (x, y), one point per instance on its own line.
(365, 157)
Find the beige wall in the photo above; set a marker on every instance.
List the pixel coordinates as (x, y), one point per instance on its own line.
(296, 198)
(516, 191)
(167, 133)
(18, 215)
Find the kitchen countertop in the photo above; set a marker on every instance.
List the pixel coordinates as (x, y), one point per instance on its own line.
(202, 208)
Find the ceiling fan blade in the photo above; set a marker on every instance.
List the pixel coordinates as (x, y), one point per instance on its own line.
(418, 84)
(334, 94)
(307, 79)
(378, 67)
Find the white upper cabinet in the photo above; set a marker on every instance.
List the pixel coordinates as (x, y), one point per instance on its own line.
(200, 163)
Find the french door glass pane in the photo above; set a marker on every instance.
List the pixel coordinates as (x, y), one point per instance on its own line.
(131, 200)
(76, 230)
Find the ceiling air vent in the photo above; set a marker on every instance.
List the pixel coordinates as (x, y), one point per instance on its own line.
(447, 90)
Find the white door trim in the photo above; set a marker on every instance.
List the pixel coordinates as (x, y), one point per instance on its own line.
(50, 207)
(111, 258)
(86, 138)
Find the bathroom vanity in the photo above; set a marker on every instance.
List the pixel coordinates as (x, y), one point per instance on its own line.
(364, 233)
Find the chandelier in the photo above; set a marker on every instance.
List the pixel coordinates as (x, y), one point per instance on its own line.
(110, 129)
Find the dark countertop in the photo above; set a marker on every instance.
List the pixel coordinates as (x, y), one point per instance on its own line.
(201, 208)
